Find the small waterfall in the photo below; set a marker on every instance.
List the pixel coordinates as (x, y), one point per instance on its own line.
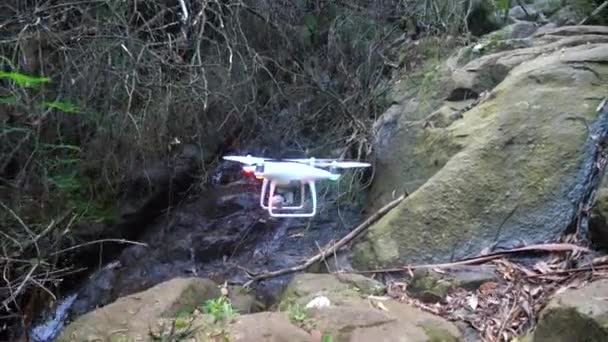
(49, 329)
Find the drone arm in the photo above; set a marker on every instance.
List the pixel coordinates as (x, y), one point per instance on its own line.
(314, 197)
(264, 185)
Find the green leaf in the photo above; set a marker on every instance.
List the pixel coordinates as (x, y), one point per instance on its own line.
(327, 338)
(63, 106)
(23, 79)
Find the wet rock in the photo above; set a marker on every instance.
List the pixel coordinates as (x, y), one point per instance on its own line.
(575, 315)
(515, 167)
(98, 290)
(132, 316)
(433, 286)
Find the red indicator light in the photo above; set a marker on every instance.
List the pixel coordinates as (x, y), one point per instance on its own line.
(248, 169)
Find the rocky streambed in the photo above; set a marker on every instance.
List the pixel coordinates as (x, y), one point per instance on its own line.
(502, 145)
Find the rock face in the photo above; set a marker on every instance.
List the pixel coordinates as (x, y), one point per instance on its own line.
(575, 315)
(515, 166)
(171, 309)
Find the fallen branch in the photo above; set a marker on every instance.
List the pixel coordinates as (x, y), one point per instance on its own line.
(328, 249)
(594, 13)
(99, 241)
(547, 247)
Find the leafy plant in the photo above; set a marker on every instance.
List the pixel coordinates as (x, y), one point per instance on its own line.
(220, 308)
(299, 316)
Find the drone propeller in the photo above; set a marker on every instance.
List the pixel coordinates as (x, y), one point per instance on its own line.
(321, 162)
(331, 162)
(249, 160)
(343, 164)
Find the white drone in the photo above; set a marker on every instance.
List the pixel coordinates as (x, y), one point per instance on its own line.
(282, 172)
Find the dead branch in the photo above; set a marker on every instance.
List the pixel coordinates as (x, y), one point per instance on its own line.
(548, 247)
(99, 241)
(327, 250)
(594, 13)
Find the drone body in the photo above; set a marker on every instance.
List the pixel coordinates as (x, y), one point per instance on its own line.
(275, 173)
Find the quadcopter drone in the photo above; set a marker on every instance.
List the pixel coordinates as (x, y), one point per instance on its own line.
(278, 173)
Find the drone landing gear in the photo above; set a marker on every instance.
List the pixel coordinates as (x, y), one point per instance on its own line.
(270, 206)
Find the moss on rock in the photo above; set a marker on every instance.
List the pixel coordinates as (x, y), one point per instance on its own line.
(522, 169)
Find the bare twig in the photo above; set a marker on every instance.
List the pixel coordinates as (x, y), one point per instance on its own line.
(99, 241)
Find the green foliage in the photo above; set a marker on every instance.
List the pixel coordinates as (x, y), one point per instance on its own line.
(23, 79)
(67, 107)
(65, 176)
(298, 316)
(327, 338)
(60, 161)
(220, 308)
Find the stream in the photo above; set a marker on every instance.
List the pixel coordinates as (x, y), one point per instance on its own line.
(215, 234)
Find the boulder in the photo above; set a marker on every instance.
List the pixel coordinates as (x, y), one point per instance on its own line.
(348, 312)
(516, 166)
(353, 313)
(578, 314)
(132, 316)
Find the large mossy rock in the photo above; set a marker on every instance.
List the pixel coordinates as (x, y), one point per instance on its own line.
(575, 315)
(515, 166)
(357, 314)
